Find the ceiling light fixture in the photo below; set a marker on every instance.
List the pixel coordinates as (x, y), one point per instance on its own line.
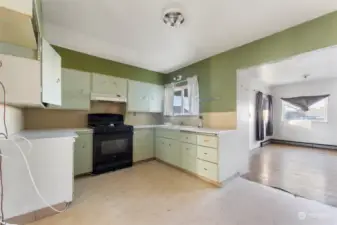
(173, 16)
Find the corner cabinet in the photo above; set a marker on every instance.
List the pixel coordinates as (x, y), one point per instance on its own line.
(83, 153)
(108, 88)
(143, 144)
(145, 97)
(30, 82)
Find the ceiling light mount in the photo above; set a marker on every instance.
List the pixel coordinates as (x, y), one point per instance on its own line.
(173, 16)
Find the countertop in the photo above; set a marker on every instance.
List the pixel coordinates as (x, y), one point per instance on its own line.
(184, 128)
(52, 133)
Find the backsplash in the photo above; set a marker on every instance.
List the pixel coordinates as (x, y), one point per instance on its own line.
(216, 120)
(36, 118)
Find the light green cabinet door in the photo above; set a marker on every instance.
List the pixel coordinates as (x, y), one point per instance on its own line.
(138, 99)
(189, 157)
(75, 89)
(83, 154)
(156, 98)
(108, 85)
(172, 152)
(143, 144)
(160, 148)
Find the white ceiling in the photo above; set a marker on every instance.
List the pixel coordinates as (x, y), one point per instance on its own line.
(132, 31)
(319, 64)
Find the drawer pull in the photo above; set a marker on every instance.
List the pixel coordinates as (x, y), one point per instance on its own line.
(206, 140)
(205, 169)
(186, 137)
(205, 153)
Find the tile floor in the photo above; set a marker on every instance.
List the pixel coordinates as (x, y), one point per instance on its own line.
(152, 193)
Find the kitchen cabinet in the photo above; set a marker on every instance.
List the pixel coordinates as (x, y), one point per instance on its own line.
(187, 150)
(19, 6)
(30, 82)
(145, 97)
(51, 75)
(172, 152)
(160, 148)
(138, 97)
(16, 23)
(75, 90)
(156, 98)
(143, 144)
(108, 88)
(22, 80)
(83, 154)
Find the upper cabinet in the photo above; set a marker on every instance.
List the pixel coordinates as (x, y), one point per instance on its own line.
(108, 88)
(21, 78)
(51, 75)
(16, 25)
(145, 97)
(75, 90)
(24, 7)
(30, 82)
(156, 98)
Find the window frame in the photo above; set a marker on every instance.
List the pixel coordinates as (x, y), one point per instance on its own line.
(182, 89)
(325, 120)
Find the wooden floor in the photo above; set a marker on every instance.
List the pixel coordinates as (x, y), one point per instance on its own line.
(310, 173)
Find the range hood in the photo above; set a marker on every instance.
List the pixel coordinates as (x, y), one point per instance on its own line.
(107, 98)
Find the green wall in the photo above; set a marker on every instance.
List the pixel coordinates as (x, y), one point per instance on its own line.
(217, 75)
(80, 61)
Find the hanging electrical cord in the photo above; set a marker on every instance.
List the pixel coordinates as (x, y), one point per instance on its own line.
(26, 163)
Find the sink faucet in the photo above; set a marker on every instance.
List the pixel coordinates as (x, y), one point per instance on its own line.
(200, 122)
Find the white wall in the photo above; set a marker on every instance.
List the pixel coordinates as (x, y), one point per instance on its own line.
(14, 119)
(307, 131)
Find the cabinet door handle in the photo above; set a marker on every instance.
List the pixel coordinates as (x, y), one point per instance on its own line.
(206, 140)
(58, 80)
(118, 95)
(205, 169)
(0, 63)
(205, 153)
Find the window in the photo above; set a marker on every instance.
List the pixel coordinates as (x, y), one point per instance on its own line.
(181, 101)
(317, 112)
(182, 98)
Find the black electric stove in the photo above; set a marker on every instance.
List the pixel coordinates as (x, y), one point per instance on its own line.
(112, 142)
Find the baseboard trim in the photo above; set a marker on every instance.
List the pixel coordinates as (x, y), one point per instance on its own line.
(264, 143)
(304, 144)
(36, 215)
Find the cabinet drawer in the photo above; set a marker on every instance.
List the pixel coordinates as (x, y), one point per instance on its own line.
(188, 137)
(208, 141)
(208, 154)
(207, 169)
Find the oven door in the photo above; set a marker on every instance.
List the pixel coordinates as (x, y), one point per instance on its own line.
(112, 151)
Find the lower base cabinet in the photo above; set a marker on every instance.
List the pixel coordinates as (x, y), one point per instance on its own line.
(192, 152)
(83, 153)
(143, 148)
(189, 157)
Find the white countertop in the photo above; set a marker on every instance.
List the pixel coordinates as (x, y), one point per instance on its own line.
(184, 128)
(52, 133)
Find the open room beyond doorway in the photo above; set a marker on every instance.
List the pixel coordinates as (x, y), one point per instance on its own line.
(311, 79)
